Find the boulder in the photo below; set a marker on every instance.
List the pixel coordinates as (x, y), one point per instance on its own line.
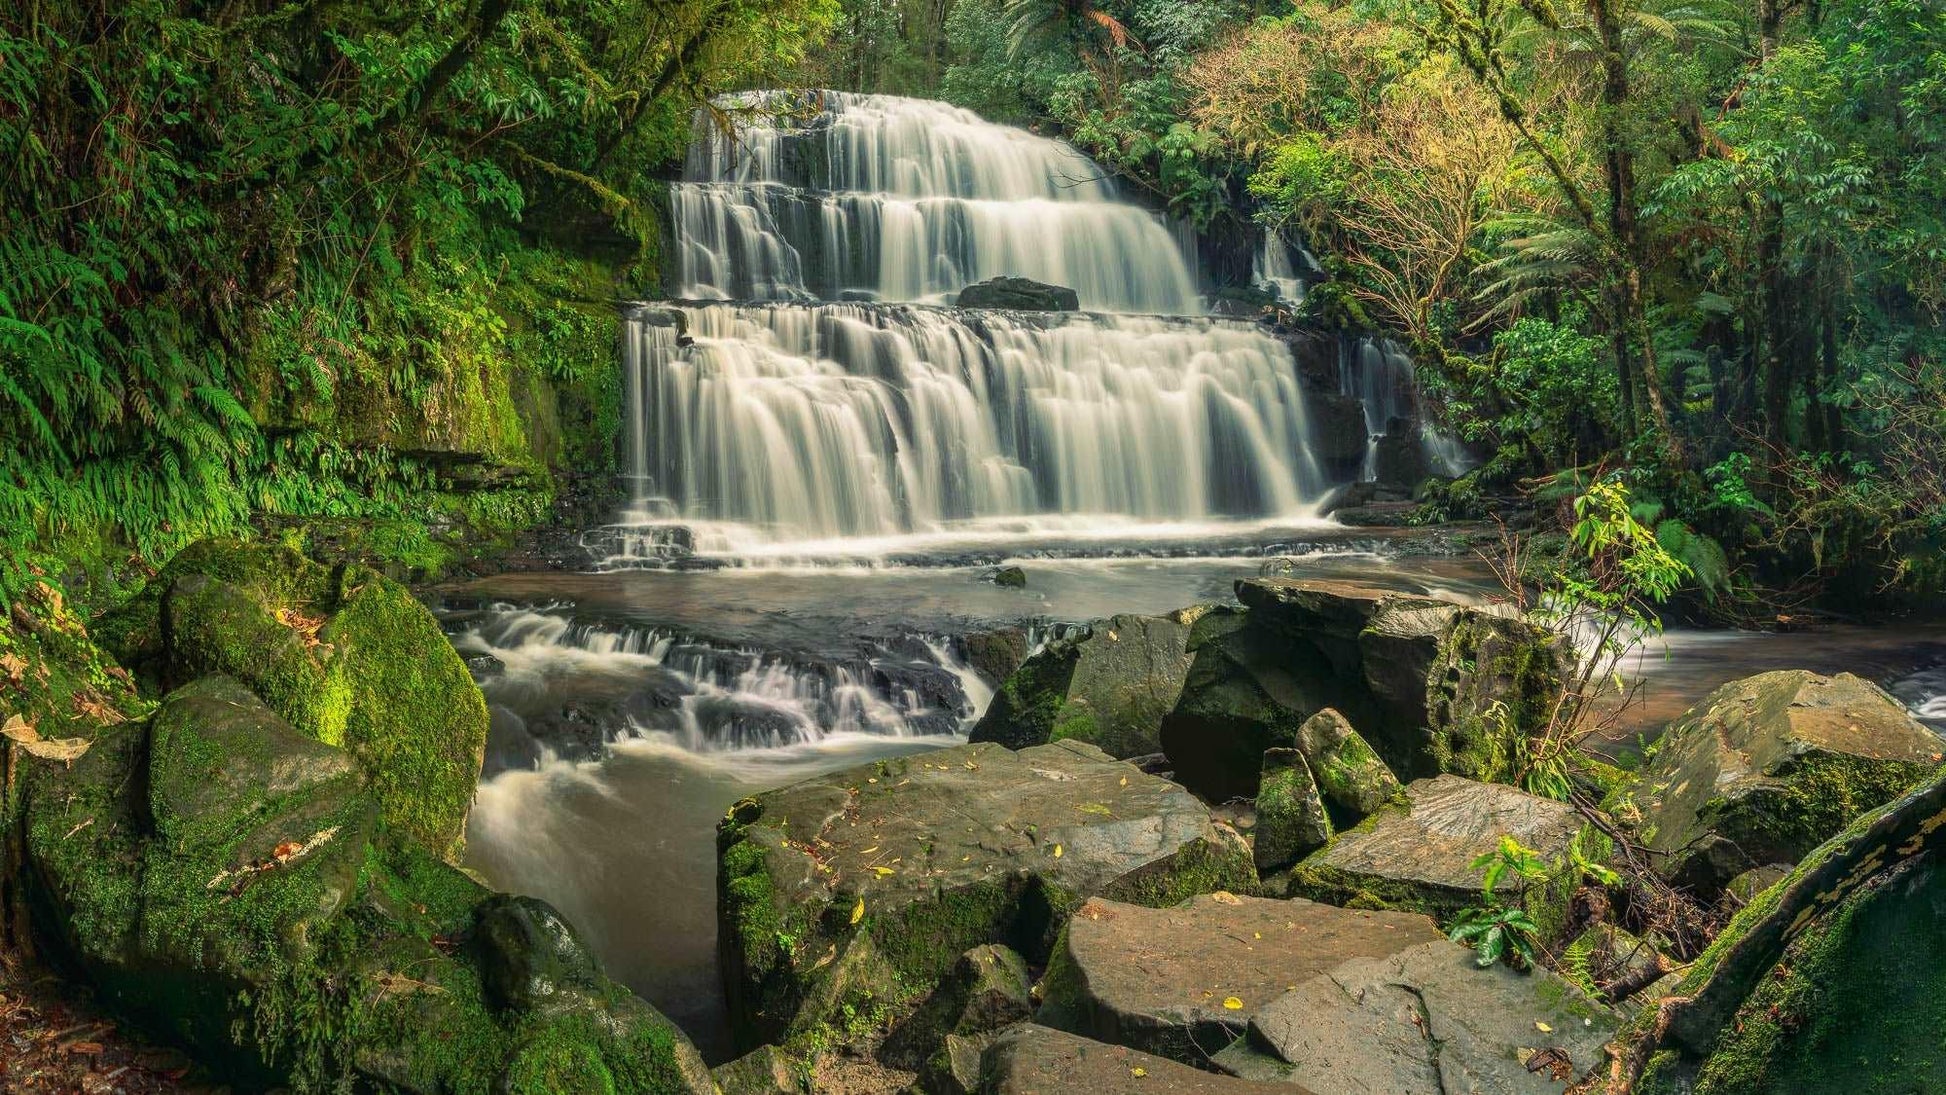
(1417, 853)
(997, 653)
(1433, 686)
(229, 883)
(860, 889)
(1019, 295)
(343, 654)
(765, 1070)
(1009, 577)
(1164, 980)
(1339, 435)
(1035, 1060)
(1768, 767)
(1400, 460)
(1352, 779)
(1426, 1018)
(1109, 686)
(987, 989)
(1291, 821)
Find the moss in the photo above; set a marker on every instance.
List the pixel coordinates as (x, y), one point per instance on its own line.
(417, 723)
(1490, 689)
(1202, 867)
(1810, 800)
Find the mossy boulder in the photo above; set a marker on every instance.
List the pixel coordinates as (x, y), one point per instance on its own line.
(853, 894)
(1433, 686)
(1109, 686)
(1291, 820)
(229, 883)
(1351, 778)
(1768, 767)
(765, 1070)
(1182, 982)
(987, 989)
(344, 654)
(1417, 852)
(1020, 295)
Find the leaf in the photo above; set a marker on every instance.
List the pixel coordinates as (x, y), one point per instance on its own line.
(1137, 1071)
(22, 733)
(1543, 1027)
(1225, 897)
(1057, 851)
(858, 911)
(883, 871)
(1232, 1003)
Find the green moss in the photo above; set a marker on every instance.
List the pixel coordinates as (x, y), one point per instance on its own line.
(1201, 867)
(1810, 800)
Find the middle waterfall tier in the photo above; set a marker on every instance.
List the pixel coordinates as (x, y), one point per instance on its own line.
(842, 420)
(825, 195)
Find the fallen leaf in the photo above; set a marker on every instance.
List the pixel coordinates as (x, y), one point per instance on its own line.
(286, 850)
(1124, 781)
(1057, 851)
(22, 733)
(858, 911)
(19, 729)
(1232, 1003)
(1225, 897)
(869, 850)
(86, 1049)
(884, 871)
(1543, 1027)
(1137, 1071)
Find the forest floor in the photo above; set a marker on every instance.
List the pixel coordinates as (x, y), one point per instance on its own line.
(55, 1040)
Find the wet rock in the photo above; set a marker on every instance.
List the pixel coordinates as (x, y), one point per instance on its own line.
(1401, 457)
(1036, 1060)
(1426, 1019)
(1745, 888)
(1768, 767)
(1109, 686)
(862, 888)
(1009, 577)
(529, 956)
(1339, 435)
(1161, 980)
(1291, 822)
(1019, 295)
(765, 1070)
(987, 989)
(955, 1068)
(1350, 777)
(996, 654)
(1417, 853)
(1247, 690)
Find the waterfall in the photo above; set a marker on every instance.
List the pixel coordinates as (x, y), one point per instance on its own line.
(1379, 373)
(828, 195)
(1274, 272)
(818, 421)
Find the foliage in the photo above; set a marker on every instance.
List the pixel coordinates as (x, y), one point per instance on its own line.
(1496, 930)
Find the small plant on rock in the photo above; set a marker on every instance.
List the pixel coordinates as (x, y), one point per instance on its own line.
(1502, 932)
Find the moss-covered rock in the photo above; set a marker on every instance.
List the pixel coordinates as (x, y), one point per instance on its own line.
(1768, 767)
(847, 897)
(1109, 686)
(1248, 689)
(1416, 854)
(1352, 779)
(344, 654)
(229, 882)
(1291, 821)
(987, 989)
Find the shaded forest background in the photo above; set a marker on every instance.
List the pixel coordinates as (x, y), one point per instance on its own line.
(264, 260)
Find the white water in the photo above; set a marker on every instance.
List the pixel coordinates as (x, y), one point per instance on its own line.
(1380, 373)
(1273, 270)
(790, 423)
(817, 195)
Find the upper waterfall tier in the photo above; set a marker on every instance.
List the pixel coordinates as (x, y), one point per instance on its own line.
(805, 422)
(823, 195)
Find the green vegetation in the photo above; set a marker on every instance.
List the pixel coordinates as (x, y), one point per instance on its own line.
(264, 260)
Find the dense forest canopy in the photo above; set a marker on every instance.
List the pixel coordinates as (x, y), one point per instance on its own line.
(287, 258)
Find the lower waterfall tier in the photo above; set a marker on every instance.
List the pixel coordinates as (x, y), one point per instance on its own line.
(844, 420)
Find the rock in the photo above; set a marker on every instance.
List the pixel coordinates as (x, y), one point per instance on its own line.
(1247, 691)
(765, 1070)
(955, 1068)
(1339, 435)
(1426, 1019)
(1353, 781)
(1417, 854)
(1401, 457)
(1768, 767)
(1019, 295)
(987, 989)
(345, 655)
(1110, 686)
(863, 887)
(1158, 980)
(996, 654)
(1376, 515)
(1746, 887)
(224, 880)
(1009, 577)
(530, 958)
(1291, 821)
(1035, 1060)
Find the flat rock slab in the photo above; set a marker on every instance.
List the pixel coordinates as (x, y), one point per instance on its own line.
(1426, 1021)
(920, 858)
(1035, 1060)
(1420, 855)
(1159, 979)
(1768, 767)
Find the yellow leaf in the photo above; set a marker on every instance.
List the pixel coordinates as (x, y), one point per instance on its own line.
(1225, 897)
(1125, 781)
(1057, 851)
(869, 850)
(1138, 1071)
(883, 871)
(1232, 1003)
(972, 767)
(1543, 1027)
(858, 911)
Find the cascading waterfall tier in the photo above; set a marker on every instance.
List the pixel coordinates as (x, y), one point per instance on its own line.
(1379, 373)
(823, 421)
(825, 195)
